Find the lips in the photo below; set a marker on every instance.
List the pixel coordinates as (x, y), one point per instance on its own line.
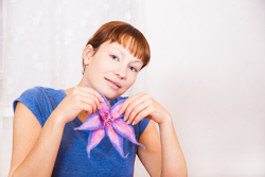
(113, 82)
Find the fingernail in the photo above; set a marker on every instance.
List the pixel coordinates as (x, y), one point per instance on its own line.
(133, 123)
(127, 122)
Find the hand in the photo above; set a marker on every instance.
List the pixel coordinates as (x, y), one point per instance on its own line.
(141, 106)
(80, 98)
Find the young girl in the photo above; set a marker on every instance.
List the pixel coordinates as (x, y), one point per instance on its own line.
(45, 142)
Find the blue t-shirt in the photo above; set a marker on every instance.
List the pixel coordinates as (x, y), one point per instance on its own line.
(72, 159)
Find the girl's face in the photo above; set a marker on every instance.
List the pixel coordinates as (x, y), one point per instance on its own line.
(111, 70)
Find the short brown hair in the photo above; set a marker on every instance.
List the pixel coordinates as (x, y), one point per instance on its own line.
(126, 35)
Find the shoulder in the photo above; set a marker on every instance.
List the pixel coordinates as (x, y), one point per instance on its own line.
(31, 95)
(31, 92)
(38, 92)
(39, 100)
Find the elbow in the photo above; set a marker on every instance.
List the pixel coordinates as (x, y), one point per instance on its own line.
(13, 173)
(183, 173)
(174, 175)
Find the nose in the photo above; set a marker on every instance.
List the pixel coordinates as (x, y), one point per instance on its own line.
(121, 71)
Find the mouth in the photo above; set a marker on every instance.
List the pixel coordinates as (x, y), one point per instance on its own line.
(113, 84)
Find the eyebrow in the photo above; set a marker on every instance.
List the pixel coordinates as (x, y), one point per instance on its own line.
(137, 61)
(134, 61)
(118, 51)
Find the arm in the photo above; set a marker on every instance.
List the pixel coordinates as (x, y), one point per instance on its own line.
(166, 151)
(173, 161)
(151, 155)
(168, 162)
(34, 148)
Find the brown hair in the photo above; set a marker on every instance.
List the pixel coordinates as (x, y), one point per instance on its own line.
(126, 35)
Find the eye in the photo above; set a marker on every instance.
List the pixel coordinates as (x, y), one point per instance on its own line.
(133, 69)
(114, 57)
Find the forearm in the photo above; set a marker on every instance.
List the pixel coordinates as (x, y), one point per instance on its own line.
(173, 161)
(40, 160)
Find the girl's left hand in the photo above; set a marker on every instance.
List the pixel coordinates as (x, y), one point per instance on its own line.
(142, 105)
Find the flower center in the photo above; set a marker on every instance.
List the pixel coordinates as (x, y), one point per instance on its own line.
(107, 120)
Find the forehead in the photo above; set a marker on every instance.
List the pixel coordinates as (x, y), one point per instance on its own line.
(115, 46)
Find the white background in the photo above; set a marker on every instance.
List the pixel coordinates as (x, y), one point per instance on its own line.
(207, 69)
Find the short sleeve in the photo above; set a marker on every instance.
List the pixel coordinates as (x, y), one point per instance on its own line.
(140, 127)
(32, 99)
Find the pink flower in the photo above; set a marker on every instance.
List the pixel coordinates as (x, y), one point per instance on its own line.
(108, 122)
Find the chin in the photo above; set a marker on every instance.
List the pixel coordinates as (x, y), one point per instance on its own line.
(110, 94)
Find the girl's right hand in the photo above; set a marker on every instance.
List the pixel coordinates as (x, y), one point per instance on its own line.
(79, 99)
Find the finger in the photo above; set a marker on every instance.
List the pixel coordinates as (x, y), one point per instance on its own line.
(92, 94)
(129, 111)
(134, 103)
(91, 101)
(137, 109)
(128, 101)
(87, 108)
(96, 93)
(141, 115)
(96, 102)
(92, 91)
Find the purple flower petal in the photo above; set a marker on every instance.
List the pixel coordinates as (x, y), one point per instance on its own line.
(115, 140)
(107, 121)
(94, 139)
(92, 123)
(106, 101)
(104, 111)
(126, 131)
(115, 110)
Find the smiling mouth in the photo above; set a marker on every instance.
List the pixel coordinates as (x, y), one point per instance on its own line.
(116, 84)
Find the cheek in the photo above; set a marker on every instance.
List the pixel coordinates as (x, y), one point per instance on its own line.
(100, 66)
(105, 65)
(132, 80)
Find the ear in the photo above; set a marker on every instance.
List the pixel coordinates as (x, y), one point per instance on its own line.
(88, 53)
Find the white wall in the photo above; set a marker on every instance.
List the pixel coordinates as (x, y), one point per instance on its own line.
(207, 68)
